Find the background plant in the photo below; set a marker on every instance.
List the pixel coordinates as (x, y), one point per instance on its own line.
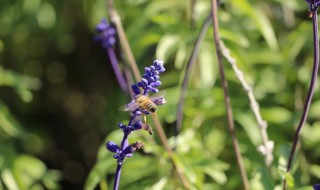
(73, 111)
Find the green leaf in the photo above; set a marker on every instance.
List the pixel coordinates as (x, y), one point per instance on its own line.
(315, 170)
(28, 169)
(276, 114)
(8, 124)
(167, 46)
(9, 180)
(261, 21)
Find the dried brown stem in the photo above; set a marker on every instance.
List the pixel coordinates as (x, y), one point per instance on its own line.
(267, 147)
(224, 84)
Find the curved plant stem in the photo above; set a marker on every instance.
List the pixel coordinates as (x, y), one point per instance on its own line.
(311, 87)
(115, 65)
(114, 17)
(190, 63)
(224, 84)
(163, 138)
(119, 166)
(267, 145)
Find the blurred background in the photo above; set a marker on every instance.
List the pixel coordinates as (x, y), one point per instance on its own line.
(59, 98)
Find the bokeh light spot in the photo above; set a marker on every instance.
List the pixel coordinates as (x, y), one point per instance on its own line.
(29, 6)
(74, 171)
(20, 33)
(66, 44)
(33, 68)
(33, 143)
(1, 46)
(46, 16)
(56, 72)
(6, 21)
(37, 47)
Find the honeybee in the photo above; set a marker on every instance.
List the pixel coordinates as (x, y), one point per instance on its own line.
(147, 105)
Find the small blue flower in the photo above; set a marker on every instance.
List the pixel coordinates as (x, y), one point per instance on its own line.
(316, 2)
(316, 187)
(135, 89)
(106, 34)
(112, 147)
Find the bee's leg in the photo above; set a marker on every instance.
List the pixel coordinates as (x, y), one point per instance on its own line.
(147, 128)
(144, 119)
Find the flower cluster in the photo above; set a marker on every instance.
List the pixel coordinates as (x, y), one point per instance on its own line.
(106, 34)
(148, 83)
(150, 80)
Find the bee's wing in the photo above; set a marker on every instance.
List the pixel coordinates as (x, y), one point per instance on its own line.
(158, 94)
(158, 98)
(124, 108)
(129, 107)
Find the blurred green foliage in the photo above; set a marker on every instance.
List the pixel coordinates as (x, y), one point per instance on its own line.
(59, 98)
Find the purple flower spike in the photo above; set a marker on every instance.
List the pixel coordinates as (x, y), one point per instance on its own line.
(149, 83)
(112, 147)
(150, 80)
(106, 34)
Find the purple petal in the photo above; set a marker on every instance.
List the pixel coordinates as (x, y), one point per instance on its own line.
(112, 147)
(135, 89)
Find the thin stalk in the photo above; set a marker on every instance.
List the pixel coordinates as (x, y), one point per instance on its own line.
(114, 17)
(266, 144)
(311, 87)
(224, 85)
(190, 64)
(119, 166)
(165, 143)
(115, 65)
(117, 177)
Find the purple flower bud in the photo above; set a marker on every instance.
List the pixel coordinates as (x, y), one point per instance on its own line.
(127, 150)
(135, 89)
(316, 186)
(122, 126)
(156, 77)
(138, 112)
(144, 81)
(161, 70)
(152, 89)
(137, 125)
(140, 84)
(147, 70)
(155, 84)
(112, 147)
(158, 63)
(152, 68)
